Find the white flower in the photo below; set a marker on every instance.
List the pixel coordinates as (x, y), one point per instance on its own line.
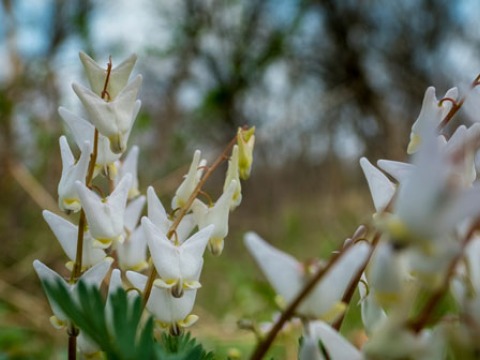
(233, 174)
(83, 131)
(71, 172)
(177, 265)
(129, 166)
(158, 216)
(113, 119)
(170, 311)
(118, 75)
(105, 217)
(190, 181)
(431, 115)
(288, 277)
(132, 253)
(429, 205)
(216, 215)
(246, 142)
(334, 344)
(92, 277)
(67, 235)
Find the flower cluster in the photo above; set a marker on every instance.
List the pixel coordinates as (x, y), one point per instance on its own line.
(424, 247)
(101, 184)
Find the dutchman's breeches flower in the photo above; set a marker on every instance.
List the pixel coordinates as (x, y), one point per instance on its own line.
(72, 171)
(113, 119)
(216, 215)
(118, 77)
(67, 234)
(171, 312)
(159, 217)
(288, 276)
(190, 181)
(82, 131)
(105, 216)
(92, 277)
(176, 264)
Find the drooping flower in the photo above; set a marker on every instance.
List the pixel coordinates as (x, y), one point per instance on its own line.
(71, 172)
(217, 215)
(177, 265)
(246, 142)
(92, 277)
(429, 205)
(158, 216)
(431, 115)
(118, 75)
(113, 119)
(190, 181)
(287, 276)
(233, 174)
(67, 235)
(83, 131)
(334, 344)
(171, 312)
(105, 216)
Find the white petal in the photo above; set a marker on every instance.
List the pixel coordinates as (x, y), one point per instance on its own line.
(400, 171)
(161, 303)
(118, 76)
(283, 271)
(156, 211)
(381, 188)
(336, 346)
(133, 212)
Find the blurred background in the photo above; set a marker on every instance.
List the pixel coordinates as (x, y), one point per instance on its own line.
(323, 81)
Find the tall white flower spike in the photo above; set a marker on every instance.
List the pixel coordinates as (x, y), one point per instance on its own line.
(177, 265)
(71, 172)
(93, 277)
(66, 234)
(190, 181)
(334, 344)
(113, 119)
(118, 75)
(217, 215)
(288, 276)
(170, 312)
(83, 131)
(129, 166)
(105, 216)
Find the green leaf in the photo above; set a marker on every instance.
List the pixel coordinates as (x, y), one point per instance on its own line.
(115, 331)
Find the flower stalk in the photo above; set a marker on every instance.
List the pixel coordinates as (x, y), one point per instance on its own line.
(185, 208)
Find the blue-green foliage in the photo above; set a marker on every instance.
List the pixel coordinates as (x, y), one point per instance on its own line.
(126, 337)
